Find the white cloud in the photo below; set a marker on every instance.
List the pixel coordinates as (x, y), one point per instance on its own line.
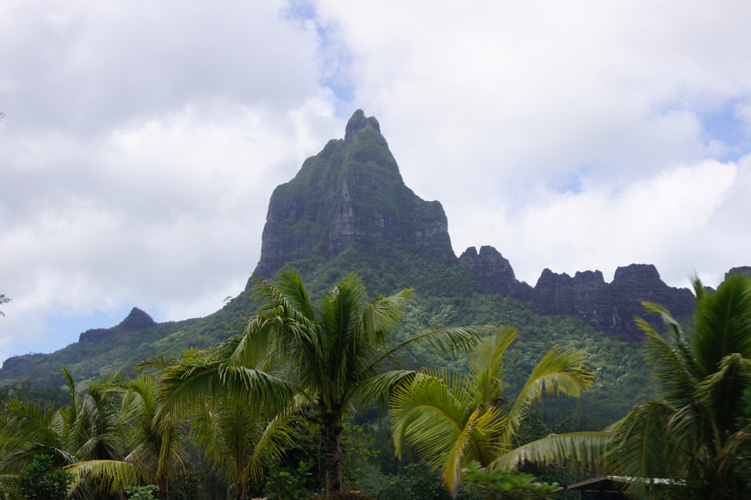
(142, 140)
(140, 146)
(488, 105)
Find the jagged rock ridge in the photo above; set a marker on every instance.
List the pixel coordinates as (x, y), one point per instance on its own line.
(494, 273)
(351, 194)
(739, 270)
(610, 307)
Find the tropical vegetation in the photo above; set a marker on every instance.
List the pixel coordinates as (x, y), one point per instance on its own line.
(40, 480)
(692, 439)
(323, 360)
(454, 420)
(290, 405)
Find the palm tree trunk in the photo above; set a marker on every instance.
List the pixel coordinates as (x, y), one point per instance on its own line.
(163, 493)
(333, 453)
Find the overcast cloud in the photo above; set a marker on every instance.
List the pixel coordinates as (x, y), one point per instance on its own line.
(142, 140)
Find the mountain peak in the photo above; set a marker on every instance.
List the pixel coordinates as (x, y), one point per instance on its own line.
(351, 195)
(357, 122)
(137, 320)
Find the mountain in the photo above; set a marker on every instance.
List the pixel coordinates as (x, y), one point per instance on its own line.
(348, 209)
(351, 195)
(97, 352)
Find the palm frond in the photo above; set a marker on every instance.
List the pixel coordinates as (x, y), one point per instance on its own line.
(486, 364)
(584, 449)
(154, 365)
(722, 393)
(382, 314)
(455, 457)
(430, 412)
(112, 473)
(288, 293)
(276, 436)
(672, 366)
(451, 341)
(558, 372)
(722, 324)
(642, 445)
(193, 380)
(376, 389)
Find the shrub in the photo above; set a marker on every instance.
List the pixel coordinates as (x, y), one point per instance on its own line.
(141, 492)
(285, 485)
(503, 484)
(42, 480)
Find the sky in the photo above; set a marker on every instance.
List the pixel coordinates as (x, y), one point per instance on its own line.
(141, 140)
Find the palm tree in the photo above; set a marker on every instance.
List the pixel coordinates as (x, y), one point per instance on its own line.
(28, 429)
(239, 436)
(239, 440)
(92, 427)
(330, 356)
(152, 441)
(697, 429)
(155, 439)
(453, 420)
(692, 440)
(86, 429)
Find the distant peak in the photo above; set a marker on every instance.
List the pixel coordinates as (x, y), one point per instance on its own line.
(137, 320)
(634, 273)
(358, 122)
(746, 270)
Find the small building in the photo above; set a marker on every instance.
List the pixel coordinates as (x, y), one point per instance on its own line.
(602, 488)
(614, 487)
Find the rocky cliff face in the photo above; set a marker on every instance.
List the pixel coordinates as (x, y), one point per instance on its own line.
(610, 307)
(494, 273)
(351, 195)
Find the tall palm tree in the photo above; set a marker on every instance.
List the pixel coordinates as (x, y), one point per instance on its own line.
(453, 420)
(698, 428)
(330, 356)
